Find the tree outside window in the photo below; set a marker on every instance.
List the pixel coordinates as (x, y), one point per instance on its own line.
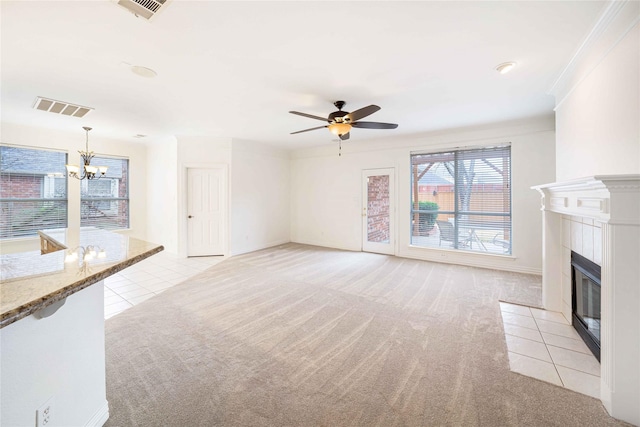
(469, 194)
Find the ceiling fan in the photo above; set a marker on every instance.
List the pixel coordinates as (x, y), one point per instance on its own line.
(341, 122)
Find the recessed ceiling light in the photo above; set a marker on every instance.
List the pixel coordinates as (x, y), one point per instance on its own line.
(505, 67)
(143, 71)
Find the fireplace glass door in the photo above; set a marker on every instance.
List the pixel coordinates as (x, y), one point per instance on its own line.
(586, 301)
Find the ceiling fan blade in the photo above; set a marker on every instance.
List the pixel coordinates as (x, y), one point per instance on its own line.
(374, 125)
(345, 136)
(362, 113)
(307, 130)
(309, 115)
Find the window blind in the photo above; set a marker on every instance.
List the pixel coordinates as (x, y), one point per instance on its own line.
(104, 202)
(33, 191)
(461, 199)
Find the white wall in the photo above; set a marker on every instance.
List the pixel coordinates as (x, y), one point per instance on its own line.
(260, 196)
(598, 101)
(71, 142)
(168, 161)
(326, 193)
(326, 190)
(60, 357)
(162, 197)
(257, 184)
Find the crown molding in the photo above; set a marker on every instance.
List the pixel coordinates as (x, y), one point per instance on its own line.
(617, 19)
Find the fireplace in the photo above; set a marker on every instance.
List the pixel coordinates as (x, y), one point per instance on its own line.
(608, 209)
(586, 284)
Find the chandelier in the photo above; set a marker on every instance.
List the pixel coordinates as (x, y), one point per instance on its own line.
(88, 171)
(87, 253)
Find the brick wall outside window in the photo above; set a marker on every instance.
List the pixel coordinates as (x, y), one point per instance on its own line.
(378, 209)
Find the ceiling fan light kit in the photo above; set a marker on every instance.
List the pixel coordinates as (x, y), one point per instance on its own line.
(339, 129)
(341, 122)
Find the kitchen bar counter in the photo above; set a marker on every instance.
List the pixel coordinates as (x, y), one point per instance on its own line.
(53, 327)
(76, 259)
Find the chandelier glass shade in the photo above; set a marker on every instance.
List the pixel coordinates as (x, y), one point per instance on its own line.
(88, 171)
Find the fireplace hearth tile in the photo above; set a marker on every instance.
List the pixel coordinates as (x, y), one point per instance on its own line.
(557, 329)
(550, 316)
(565, 361)
(575, 360)
(519, 331)
(568, 343)
(579, 381)
(535, 368)
(515, 308)
(518, 320)
(526, 347)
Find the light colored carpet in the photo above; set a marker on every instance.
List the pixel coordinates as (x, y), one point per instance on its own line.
(305, 336)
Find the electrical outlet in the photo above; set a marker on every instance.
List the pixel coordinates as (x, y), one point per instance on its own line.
(44, 413)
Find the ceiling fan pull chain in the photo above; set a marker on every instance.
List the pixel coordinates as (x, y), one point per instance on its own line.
(339, 148)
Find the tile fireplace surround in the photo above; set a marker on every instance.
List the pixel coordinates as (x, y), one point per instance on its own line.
(603, 214)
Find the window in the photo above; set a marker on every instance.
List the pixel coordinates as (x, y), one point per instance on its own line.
(461, 199)
(104, 202)
(33, 191)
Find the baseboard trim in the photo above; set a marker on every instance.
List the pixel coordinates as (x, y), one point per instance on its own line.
(480, 261)
(260, 247)
(325, 244)
(100, 417)
(492, 262)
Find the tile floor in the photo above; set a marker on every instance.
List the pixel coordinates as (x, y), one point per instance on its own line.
(543, 344)
(148, 278)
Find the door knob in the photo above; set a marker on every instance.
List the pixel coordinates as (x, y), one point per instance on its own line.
(190, 216)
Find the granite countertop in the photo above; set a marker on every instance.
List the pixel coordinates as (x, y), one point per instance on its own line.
(30, 281)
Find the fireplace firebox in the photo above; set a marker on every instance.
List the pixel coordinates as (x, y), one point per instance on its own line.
(585, 278)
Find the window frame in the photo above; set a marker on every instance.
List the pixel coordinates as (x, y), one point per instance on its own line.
(457, 212)
(31, 230)
(84, 199)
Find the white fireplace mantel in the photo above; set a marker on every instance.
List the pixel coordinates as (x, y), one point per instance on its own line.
(592, 197)
(614, 202)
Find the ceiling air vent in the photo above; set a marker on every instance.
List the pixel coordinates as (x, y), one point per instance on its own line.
(146, 9)
(60, 107)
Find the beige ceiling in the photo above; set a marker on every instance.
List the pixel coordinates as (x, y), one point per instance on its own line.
(235, 69)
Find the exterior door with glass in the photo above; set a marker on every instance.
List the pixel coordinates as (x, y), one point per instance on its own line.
(378, 211)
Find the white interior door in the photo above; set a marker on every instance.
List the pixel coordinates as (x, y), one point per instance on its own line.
(378, 211)
(206, 207)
